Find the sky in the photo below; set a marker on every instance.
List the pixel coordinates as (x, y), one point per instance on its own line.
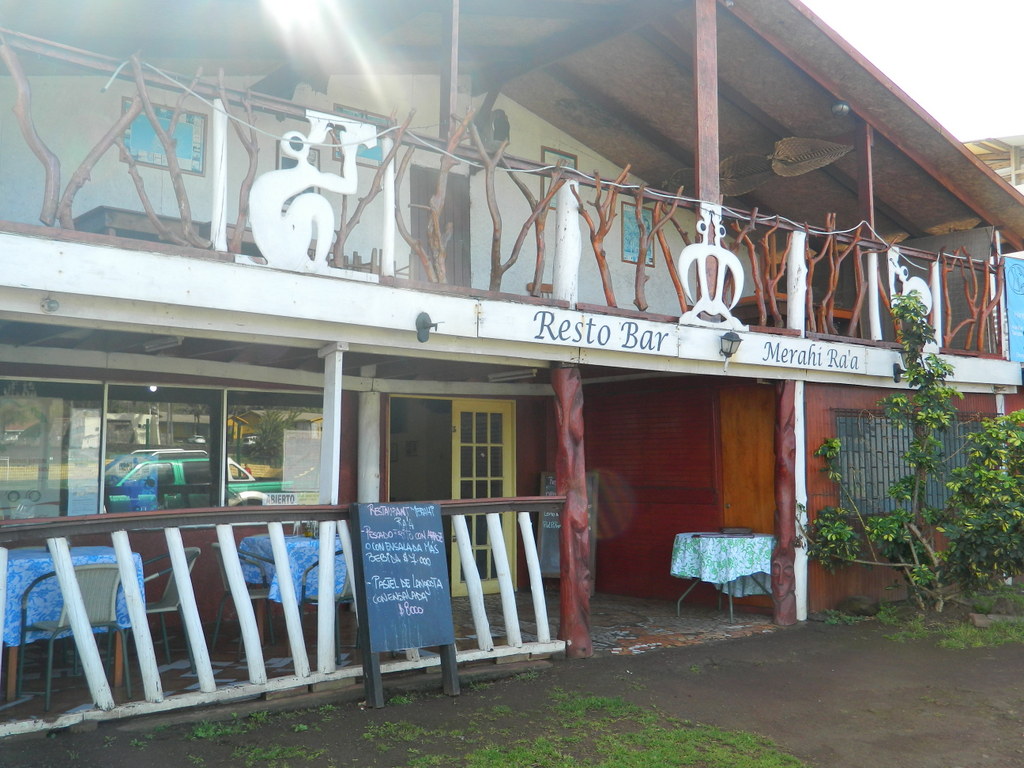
(955, 58)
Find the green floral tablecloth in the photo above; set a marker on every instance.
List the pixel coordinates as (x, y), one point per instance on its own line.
(738, 564)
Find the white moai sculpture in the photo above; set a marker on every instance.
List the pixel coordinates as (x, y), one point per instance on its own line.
(708, 306)
(284, 211)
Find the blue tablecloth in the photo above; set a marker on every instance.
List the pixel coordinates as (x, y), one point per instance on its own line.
(302, 553)
(738, 564)
(45, 603)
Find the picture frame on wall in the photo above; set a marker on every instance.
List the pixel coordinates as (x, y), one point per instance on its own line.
(631, 234)
(143, 144)
(552, 156)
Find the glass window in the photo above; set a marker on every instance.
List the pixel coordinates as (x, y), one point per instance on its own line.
(273, 448)
(49, 449)
(161, 448)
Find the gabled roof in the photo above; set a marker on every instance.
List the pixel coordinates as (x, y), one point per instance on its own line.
(614, 74)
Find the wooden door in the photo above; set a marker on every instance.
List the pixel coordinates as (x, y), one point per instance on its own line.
(748, 456)
(483, 466)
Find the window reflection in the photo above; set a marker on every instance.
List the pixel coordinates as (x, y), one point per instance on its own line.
(160, 453)
(273, 448)
(49, 449)
(162, 448)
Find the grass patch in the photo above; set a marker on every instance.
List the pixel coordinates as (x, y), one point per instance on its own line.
(275, 755)
(969, 636)
(576, 730)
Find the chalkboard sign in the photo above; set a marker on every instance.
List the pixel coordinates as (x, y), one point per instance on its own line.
(550, 525)
(404, 576)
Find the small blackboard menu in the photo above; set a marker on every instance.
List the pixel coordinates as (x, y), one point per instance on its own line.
(549, 526)
(404, 576)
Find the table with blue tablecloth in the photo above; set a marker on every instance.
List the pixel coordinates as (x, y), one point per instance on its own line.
(738, 564)
(25, 565)
(303, 552)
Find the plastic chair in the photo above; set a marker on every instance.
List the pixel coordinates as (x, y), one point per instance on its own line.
(170, 600)
(259, 591)
(344, 596)
(98, 583)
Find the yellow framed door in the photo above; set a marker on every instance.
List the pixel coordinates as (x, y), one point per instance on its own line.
(483, 466)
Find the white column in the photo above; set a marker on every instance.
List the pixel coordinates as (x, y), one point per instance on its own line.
(219, 176)
(368, 483)
(796, 282)
(874, 311)
(800, 477)
(330, 438)
(935, 286)
(568, 245)
(325, 618)
(387, 250)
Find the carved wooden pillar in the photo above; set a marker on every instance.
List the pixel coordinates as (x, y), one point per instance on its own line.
(571, 481)
(705, 87)
(783, 575)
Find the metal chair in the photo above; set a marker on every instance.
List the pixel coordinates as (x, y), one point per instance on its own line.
(98, 584)
(344, 596)
(170, 600)
(259, 591)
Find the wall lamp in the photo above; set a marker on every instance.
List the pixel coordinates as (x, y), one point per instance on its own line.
(49, 305)
(730, 343)
(423, 326)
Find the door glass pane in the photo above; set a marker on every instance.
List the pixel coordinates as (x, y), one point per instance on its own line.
(466, 427)
(495, 436)
(49, 449)
(497, 488)
(466, 489)
(496, 461)
(273, 448)
(481, 489)
(466, 461)
(481, 428)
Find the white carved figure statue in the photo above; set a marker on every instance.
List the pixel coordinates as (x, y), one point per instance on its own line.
(708, 305)
(283, 209)
(899, 274)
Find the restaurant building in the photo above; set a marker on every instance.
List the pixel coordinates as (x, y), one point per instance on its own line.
(625, 264)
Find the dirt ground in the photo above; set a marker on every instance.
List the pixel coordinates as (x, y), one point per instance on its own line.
(834, 696)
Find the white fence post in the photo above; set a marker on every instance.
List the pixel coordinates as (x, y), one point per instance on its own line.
(137, 613)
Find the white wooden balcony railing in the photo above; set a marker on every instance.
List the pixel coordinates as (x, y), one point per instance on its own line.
(816, 280)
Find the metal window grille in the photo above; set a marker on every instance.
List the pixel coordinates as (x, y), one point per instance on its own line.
(872, 457)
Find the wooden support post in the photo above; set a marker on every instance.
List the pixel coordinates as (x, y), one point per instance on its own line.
(571, 481)
(449, 69)
(865, 173)
(783, 574)
(705, 86)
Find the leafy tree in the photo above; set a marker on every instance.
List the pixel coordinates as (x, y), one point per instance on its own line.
(977, 538)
